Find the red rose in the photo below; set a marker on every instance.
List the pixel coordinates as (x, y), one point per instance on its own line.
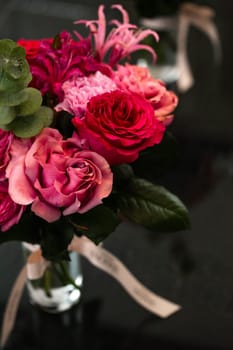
(31, 47)
(118, 125)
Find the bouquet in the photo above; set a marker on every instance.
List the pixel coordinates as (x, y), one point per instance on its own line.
(75, 117)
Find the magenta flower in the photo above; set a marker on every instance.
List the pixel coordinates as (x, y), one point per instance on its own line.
(10, 212)
(51, 67)
(6, 138)
(78, 91)
(118, 125)
(121, 41)
(56, 176)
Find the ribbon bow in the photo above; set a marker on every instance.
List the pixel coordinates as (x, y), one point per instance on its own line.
(100, 258)
(189, 14)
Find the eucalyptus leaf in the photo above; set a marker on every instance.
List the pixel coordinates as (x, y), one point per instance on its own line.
(7, 114)
(31, 125)
(15, 72)
(32, 104)
(152, 206)
(6, 47)
(9, 85)
(11, 99)
(96, 224)
(45, 114)
(26, 126)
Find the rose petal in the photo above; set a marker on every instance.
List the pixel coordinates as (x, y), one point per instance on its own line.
(45, 211)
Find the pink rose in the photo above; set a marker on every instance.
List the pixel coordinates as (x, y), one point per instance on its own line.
(6, 138)
(56, 176)
(118, 125)
(10, 212)
(138, 79)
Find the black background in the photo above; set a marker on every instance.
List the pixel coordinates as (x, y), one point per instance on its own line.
(194, 267)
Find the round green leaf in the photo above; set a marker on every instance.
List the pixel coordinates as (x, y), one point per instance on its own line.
(45, 114)
(26, 126)
(7, 114)
(31, 105)
(13, 99)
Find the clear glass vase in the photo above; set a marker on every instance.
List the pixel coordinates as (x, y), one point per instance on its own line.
(60, 286)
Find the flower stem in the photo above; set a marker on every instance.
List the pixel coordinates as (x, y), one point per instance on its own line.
(47, 282)
(63, 266)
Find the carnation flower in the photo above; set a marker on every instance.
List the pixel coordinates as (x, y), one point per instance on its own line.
(138, 79)
(118, 125)
(10, 212)
(56, 176)
(54, 64)
(79, 90)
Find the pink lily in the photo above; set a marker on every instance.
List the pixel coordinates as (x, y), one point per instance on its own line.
(124, 39)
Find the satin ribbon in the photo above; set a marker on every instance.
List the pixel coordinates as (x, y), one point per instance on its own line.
(189, 14)
(100, 258)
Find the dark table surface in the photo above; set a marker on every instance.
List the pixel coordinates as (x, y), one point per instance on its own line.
(193, 268)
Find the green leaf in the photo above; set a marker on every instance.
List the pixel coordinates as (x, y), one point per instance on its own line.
(96, 224)
(32, 104)
(57, 42)
(26, 126)
(157, 160)
(14, 68)
(7, 114)
(6, 47)
(152, 206)
(31, 125)
(24, 231)
(56, 237)
(7, 85)
(17, 66)
(122, 174)
(13, 99)
(46, 115)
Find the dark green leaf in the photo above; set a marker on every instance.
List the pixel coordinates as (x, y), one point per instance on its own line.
(96, 224)
(152, 206)
(156, 160)
(122, 174)
(56, 237)
(56, 42)
(24, 231)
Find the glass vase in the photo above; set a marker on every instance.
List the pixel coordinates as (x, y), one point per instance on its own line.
(60, 286)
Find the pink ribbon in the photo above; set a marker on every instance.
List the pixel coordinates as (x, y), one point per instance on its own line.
(189, 14)
(100, 258)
